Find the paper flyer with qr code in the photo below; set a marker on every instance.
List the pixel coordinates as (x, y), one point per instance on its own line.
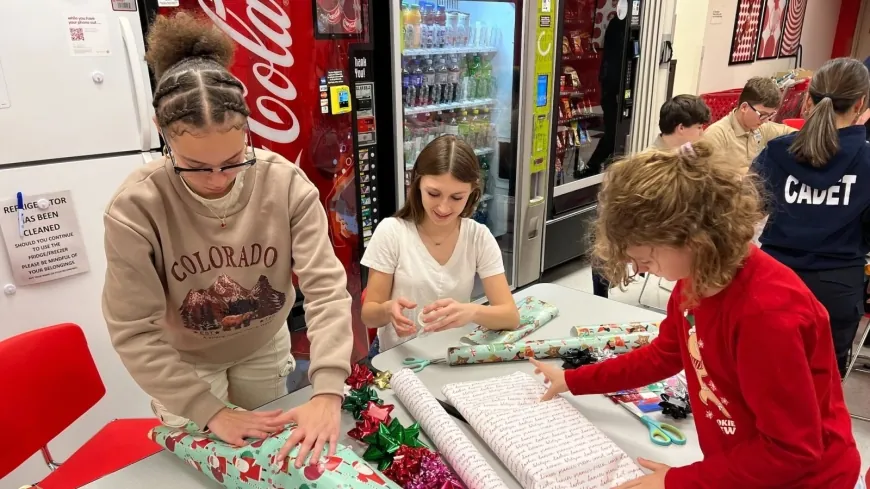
(88, 35)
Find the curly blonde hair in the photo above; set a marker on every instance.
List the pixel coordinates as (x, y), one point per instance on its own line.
(689, 198)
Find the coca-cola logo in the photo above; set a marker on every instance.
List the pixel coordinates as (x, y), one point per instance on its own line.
(264, 19)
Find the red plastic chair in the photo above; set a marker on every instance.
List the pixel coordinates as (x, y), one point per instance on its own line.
(53, 380)
(795, 123)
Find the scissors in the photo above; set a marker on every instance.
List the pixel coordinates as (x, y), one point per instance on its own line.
(662, 434)
(418, 364)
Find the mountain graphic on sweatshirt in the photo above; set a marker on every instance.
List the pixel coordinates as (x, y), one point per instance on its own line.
(226, 305)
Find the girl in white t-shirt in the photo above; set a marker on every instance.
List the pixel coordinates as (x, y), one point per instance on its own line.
(423, 260)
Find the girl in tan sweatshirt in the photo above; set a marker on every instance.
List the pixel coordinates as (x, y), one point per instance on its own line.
(200, 248)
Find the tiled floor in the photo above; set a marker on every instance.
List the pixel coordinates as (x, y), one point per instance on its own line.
(578, 275)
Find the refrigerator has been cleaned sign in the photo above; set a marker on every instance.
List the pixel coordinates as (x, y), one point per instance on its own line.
(88, 35)
(49, 245)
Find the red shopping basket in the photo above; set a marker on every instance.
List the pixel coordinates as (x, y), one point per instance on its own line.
(721, 103)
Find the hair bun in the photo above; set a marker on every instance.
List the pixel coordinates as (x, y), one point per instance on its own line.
(183, 36)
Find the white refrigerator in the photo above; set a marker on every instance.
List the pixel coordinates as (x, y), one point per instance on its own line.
(75, 115)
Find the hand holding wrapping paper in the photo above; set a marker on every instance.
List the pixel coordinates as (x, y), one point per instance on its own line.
(256, 466)
(534, 313)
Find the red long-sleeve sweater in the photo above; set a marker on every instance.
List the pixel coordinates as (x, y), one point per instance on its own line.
(763, 382)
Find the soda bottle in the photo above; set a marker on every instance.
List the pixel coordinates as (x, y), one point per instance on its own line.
(424, 96)
(450, 30)
(488, 130)
(490, 87)
(453, 75)
(473, 76)
(406, 84)
(440, 19)
(442, 80)
(483, 161)
(428, 26)
(416, 83)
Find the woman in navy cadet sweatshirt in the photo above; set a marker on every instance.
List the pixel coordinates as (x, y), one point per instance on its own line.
(818, 180)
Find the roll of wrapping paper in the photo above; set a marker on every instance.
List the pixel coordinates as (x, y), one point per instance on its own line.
(620, 338)
(468, 463)
(534, 313)
(511, 352)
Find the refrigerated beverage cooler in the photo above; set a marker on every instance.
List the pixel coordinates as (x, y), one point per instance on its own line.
(308, 67)
(598, 49)
(456, 71)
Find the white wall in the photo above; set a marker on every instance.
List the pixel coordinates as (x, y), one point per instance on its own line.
(689, 44)
(817, 39)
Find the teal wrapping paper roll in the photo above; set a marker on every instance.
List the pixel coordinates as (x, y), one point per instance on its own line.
(512, 352)
(534, 313)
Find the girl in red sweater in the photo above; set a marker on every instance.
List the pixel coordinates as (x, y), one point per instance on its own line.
(754, 342)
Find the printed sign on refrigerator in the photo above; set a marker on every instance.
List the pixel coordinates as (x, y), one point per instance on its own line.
(44, 242)
(88, 34)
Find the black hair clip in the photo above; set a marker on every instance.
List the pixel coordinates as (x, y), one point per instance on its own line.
(576, 357)
(676, 406)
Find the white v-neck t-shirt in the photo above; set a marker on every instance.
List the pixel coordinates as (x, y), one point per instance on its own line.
(396, 249)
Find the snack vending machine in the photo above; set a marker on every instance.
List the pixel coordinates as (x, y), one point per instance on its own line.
(596, 65)
(455, 71)
(308, 69)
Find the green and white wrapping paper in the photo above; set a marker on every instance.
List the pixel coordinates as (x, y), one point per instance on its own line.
(620, 338)
(255, 466)
(534, 313)
(512, 352)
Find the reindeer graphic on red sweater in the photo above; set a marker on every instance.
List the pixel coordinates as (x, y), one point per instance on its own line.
(706, 394)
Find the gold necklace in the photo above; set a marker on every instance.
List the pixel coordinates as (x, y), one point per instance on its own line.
(431, 239)
(223, 220)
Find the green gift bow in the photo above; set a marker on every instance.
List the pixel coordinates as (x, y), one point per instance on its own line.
(356, 401)
(385, 442)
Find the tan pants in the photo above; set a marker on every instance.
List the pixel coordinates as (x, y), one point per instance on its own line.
(249, 383)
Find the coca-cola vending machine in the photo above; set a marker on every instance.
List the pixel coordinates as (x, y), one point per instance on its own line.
(308, 69)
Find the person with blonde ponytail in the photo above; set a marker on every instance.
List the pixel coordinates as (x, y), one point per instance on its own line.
(819, 224)
(751, 337)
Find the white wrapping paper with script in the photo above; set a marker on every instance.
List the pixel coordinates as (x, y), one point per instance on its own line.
(453, 445)
(545, 445)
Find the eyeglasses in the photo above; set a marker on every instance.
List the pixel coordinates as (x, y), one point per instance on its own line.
(761, 115)
(228, 169)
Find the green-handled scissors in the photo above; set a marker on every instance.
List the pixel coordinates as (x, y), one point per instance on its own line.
(418, 364)
(662, 434)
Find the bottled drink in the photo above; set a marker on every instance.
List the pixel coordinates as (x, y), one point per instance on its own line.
(416, 83)
(428, 25)
(483, 161)
(406, 84)
(412, 27)
(473, 76)
(463, 126)
(440, 19)
(452, 126)
(453, 76)
(442, 80)
(488, 130)
(424, 96)
(462, 29)
(450, 28)
(474, 130)
(404, 13)
(408, 145)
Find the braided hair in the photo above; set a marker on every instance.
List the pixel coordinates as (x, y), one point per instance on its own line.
(190, 58)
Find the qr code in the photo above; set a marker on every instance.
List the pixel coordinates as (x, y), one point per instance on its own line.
(77, 33)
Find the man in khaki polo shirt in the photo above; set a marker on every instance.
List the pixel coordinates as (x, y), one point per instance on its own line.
(681, 120)
(744, 132)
